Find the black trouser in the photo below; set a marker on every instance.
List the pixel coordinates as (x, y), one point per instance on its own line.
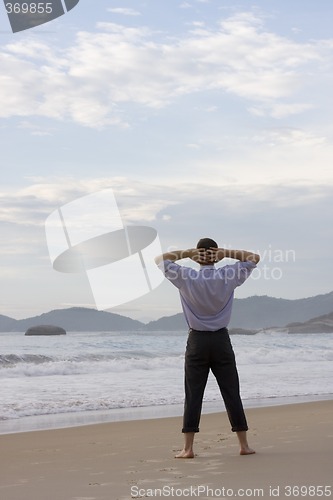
(205, 351)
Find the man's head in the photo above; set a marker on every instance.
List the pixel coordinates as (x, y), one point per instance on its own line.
(207, 243)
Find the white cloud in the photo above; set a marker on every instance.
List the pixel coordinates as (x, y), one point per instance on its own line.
(32, 204)
(141, 202)
(124, 11)
(34, 129)
(185, 5)
(197, 24)
(91, 82)
(291, 137)
(280, 110)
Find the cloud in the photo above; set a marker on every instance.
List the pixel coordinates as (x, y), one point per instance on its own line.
(287, 136)
(280, 110)
(124, 11)
(152, 203)
(31, 205)
(93, 82)
(36, 130)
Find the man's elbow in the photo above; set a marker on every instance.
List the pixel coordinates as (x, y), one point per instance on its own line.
(253, 257)
(256, 258)
(158, 259)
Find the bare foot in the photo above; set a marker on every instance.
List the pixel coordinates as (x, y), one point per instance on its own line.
(185, 454)
(246, 451)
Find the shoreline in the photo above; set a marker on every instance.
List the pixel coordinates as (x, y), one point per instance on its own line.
(135, 459)
(78, 419)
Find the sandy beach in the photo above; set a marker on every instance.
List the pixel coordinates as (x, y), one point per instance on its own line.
(135, 459)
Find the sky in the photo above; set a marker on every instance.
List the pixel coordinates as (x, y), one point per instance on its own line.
(207, 118)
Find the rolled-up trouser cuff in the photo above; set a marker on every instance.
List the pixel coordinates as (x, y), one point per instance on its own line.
(190, 429)
(239, 429)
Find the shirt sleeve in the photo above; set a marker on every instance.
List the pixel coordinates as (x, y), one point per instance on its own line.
(239, 272)
(173, 272)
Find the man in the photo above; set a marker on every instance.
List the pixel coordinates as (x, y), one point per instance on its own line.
(207, 296)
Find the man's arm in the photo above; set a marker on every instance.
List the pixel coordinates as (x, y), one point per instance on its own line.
(192, 253)
(242, 255)
(204, 256)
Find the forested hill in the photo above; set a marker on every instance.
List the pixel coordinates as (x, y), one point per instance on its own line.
(251, 313)
(261, 312)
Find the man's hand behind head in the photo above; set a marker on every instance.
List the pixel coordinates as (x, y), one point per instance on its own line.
(203, 256)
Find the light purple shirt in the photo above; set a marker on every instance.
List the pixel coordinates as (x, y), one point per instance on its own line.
(207, 294)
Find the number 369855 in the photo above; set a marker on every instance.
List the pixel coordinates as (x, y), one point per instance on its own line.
(29, 8)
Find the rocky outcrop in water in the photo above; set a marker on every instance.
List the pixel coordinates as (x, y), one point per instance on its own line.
(45, 330)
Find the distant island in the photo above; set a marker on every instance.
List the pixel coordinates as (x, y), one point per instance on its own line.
(321, 324)
(250, 315)
(45, 330)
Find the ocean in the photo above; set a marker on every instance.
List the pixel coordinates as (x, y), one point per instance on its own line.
(86, 377)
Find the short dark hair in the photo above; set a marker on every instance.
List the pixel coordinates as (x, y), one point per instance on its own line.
(207, 243)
